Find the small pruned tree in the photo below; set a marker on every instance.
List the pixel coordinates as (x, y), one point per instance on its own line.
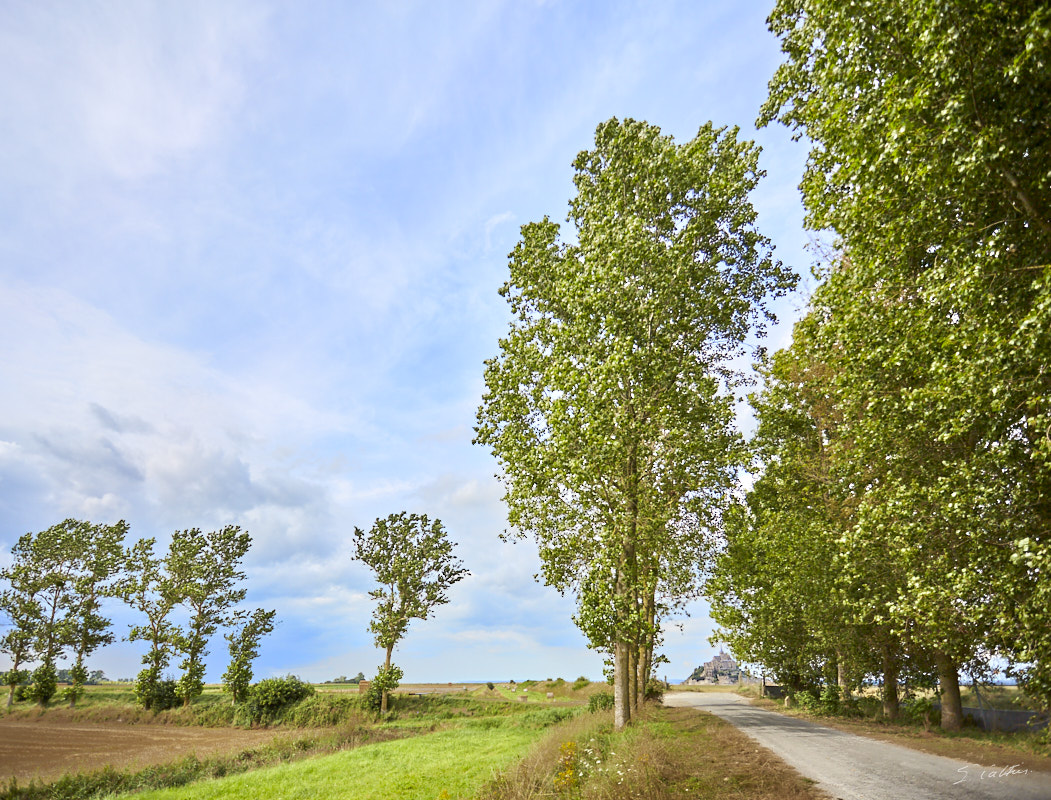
(20, 604)
(414, 565)
(148, 589)
(205, 570)
(100, 558)
(244, 640)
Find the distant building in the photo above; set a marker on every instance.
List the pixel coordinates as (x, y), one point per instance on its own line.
(721, 669)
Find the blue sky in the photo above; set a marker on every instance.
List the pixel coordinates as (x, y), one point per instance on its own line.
(249, 261)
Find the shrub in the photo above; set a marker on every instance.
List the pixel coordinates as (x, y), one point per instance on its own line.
(159, 695)
(654, 690)
(44, 685)
(603, 701)
(271, 694)
(808, 701)
(387, 680)
(580, 683)
(920, 709)
(830, 698)
(490, 686)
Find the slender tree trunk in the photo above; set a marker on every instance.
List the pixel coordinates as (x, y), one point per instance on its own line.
(621, 692)
(11, 687)
(77, 682)
(949, 689)
(633, 668)
(645, 662)
(643, 671)
(631, 584)
(622, 647)
(841, 677)
(386, 666)
(890, 684)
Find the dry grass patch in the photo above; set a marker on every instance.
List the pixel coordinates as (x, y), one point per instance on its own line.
(669, 754)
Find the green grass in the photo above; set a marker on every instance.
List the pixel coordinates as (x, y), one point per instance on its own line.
(451, 763)
(516, 697)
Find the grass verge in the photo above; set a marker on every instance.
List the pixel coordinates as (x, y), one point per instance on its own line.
(668, 754)
(450, 763)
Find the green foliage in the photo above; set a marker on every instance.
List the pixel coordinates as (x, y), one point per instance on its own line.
(414, 565)
(580, 683)
(79, 677)
(204, 570)
(413, 561)
(602, 701)
(54, 587)
(490, 686)
(387, 679)
(901, 520)
(605, 407)
(200, 572)
(16, 677)
(654, 690)
(44, 684)
(148, 589)
(922, 710)
(830, 698)
(272, 693)
(244, 647)
(154, 693)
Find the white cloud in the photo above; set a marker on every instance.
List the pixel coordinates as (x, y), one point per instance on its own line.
(120, 89)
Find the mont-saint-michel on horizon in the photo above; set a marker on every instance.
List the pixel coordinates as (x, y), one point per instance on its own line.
(560, 342)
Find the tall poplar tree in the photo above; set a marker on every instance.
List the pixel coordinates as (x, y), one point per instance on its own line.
(609, 408)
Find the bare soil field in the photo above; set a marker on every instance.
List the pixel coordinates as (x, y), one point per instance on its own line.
(46, 750)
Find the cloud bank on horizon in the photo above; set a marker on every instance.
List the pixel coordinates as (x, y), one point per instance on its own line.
(249, 272)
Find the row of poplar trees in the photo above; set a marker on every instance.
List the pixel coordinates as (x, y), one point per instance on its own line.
(53, 591)
(901, 525)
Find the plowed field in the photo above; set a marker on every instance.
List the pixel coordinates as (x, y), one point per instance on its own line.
(45, 750)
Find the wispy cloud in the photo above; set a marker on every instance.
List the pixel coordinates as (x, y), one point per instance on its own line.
(123, 90)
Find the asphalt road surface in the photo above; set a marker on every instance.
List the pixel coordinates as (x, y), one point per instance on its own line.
(853, 767)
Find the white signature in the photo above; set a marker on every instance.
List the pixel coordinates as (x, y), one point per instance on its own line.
(990, 772)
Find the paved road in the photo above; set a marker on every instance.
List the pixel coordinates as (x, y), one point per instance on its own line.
(853, 767)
